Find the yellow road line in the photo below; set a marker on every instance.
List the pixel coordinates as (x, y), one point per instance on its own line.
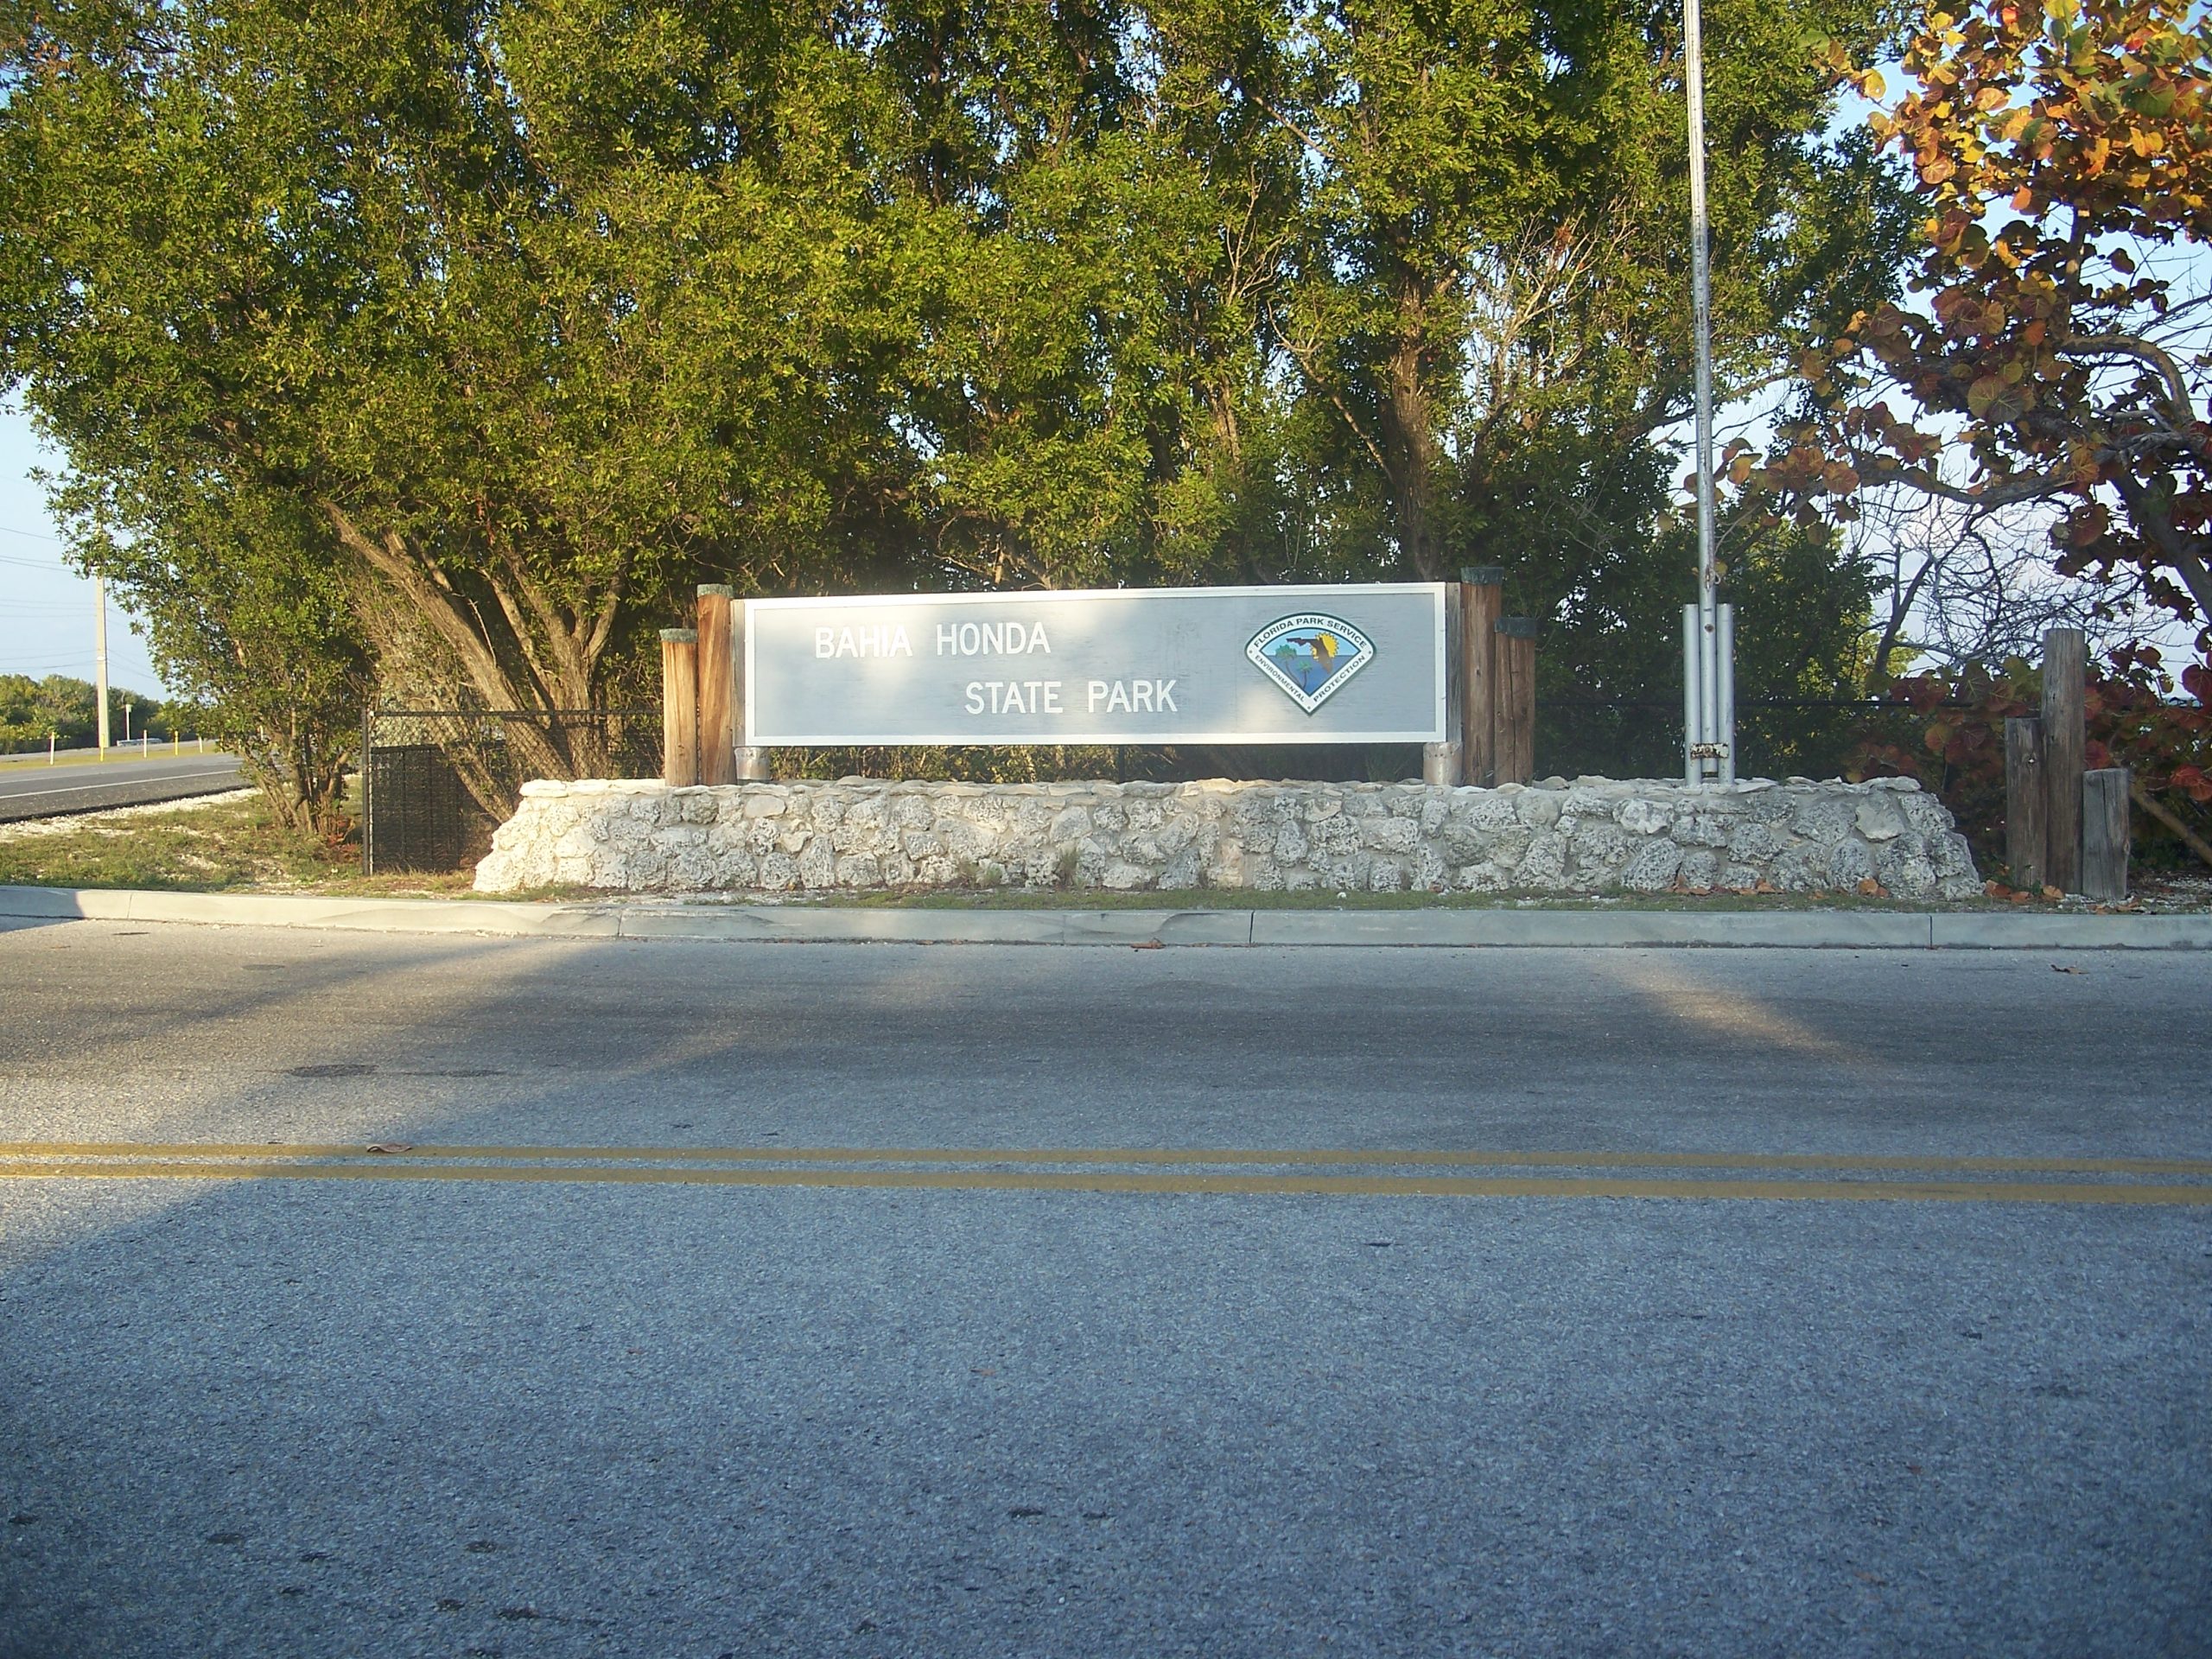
(1288, 1157)
(1110, 1181)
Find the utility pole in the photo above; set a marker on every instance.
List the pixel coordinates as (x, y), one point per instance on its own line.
(1708, 626)
(99, 656)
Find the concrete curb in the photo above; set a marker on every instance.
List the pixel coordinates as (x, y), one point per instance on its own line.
(806, 924)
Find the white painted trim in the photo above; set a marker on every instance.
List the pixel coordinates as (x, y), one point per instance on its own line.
(1031, 595)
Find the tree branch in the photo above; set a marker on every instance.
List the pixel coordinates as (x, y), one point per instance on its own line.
(1305, 368)
(2179, 549)
(2150, 803)
(389, 558)
(2180, 409)
(2015, 488)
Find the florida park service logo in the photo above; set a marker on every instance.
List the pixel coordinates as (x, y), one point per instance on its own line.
(1310, 657)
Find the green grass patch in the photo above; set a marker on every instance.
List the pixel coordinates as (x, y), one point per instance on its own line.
(218, 846)
(221, 846)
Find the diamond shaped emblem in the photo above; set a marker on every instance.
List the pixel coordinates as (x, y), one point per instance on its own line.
(1310, 655)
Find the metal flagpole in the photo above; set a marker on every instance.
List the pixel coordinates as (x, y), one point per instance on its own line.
(1708, 672)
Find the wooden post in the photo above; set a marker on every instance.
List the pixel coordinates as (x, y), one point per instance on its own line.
(1441, 763)
(2025, 821)
(2105, 833)
(2065, 741)
(679, 707)
(1516, 699)
(1482, 592)
(719, 697)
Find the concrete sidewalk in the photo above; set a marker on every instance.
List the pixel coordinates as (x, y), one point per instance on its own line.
(810, 924)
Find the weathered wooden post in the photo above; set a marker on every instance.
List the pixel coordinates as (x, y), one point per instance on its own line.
(1481, 594)
(718, 692)
(1444, 763)
(2065, 743)
(2026, 817)
(2105, 809)
(679, 707)
(1516, 699)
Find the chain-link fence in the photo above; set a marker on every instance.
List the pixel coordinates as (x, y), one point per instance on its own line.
(438, 782)
(1775, 737)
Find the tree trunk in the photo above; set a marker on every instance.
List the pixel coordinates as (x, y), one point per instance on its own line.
(1409, 445)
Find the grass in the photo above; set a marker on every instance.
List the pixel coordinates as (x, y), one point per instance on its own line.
(117, 753)
(225, 845)
(205, 847)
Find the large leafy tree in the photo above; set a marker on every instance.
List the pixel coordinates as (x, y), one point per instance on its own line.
(1484, 280)
(520, 317)
(529, 309)
(2053, 348)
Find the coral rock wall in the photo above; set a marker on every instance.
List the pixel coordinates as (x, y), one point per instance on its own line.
(1590, 836)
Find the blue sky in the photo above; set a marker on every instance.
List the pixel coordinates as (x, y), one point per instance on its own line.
(46, 608)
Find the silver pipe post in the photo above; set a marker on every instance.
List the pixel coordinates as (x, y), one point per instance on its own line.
(1708, 745)
(1724, 719)
(1693, 680)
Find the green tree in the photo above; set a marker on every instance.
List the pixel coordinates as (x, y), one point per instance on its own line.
(67, 710)
(247, 615)
(533, 310)
(519, 319)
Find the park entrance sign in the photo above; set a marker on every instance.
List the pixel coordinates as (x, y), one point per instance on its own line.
(1364, 664)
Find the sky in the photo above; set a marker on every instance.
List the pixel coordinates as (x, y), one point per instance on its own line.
(46, 608)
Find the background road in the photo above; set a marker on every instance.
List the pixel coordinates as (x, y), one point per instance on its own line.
(39, 792)
(581, 1396)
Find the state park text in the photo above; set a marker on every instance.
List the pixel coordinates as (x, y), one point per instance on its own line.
(1357, 663)
(1001, 697)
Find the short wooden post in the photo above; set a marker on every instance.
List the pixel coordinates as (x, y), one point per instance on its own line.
(2105, 809)
(2065, 744)
(1482, 592)
(718, 692)
(679, 707)
(2025, 820)
(1516, 699)
(1441, 763)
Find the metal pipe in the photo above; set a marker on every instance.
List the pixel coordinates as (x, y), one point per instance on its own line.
(1715, 667)
(1724, 719)
(1691, 680)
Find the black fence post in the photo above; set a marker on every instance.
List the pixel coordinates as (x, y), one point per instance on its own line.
(368, 738)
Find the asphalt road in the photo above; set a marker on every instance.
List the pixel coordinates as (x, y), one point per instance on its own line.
(34, 792)
(1304, 1302)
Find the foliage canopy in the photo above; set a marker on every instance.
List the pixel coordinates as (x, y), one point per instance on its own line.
(457, 338)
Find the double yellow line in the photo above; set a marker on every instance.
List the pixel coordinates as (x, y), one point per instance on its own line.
(1362, 1172)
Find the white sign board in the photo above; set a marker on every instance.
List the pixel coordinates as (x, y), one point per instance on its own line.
(1342, 665)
